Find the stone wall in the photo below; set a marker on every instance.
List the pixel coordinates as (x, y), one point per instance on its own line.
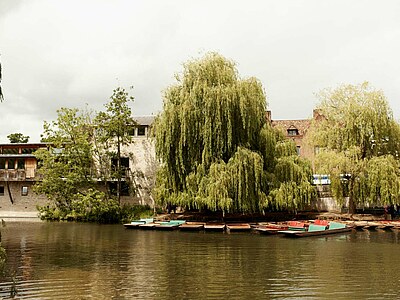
(143, 167)
(20, 202)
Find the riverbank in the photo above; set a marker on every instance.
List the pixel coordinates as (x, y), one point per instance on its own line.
(30, 216)
(204, 217)
(271, 217)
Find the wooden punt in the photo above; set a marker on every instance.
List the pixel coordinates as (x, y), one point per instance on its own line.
(318, 230)
(386, 225)
(148, 226)
(192, 226)
(297, 225)
(269, 228)
(360, 225)
(396, 225)
(214, 227)
(238, 227)
(169, 225)
(136, 223)
(372, 225)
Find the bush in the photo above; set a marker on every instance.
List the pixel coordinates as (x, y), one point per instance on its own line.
(95, 207)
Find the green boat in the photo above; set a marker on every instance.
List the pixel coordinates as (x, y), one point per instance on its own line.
(316, 230)
(169, 225)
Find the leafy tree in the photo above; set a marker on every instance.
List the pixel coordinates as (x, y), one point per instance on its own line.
(359, 145)
(66, 166)
(112, 131)
(216, 149)
(69, 167)
(18, 138)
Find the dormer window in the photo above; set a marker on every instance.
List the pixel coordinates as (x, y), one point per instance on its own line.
(292, 132)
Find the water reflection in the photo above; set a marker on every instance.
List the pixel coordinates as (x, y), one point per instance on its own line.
(79, 261)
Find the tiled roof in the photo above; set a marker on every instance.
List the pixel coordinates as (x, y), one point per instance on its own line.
(144, 120)
(301, 125)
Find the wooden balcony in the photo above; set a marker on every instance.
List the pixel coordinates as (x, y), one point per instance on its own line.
(17, 175)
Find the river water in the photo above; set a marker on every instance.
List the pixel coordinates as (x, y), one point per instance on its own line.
(89, 261)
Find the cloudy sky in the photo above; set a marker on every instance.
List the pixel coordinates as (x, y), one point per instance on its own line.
(69, 53)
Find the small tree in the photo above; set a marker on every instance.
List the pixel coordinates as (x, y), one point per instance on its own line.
(113, 130)
(67, 163)
(359, 144)
(18, 138)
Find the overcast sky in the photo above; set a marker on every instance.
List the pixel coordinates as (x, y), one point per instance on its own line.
(65, 53)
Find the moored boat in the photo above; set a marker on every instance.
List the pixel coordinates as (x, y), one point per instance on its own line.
(238, 227)
(169, 225)
(138, 223)
(360, 225)
(192, 226)
(214, 227)
(316, 230)
(297, 226)
(270, 228)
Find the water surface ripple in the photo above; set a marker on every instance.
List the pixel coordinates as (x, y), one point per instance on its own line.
(84, 261)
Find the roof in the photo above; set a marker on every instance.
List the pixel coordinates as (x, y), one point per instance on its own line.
(301, 125)
(23, 145)
(144, 120)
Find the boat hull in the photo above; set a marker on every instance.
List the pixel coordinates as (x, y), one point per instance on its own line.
(297, 234)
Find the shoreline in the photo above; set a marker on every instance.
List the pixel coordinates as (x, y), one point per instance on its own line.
(13, 216)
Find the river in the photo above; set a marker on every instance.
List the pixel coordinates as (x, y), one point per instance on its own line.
(89, 261)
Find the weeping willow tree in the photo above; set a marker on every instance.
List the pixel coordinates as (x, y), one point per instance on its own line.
(359, 144)
(216, 148)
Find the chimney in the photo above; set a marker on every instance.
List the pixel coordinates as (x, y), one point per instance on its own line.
(268, 116)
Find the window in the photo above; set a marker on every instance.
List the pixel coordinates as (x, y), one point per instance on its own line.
(124, 161)
(131, 131)
(28, 150)
(10, 150)
(2, 163)
(1, 190)
(292, 132)
(21, 164)
(11, 164)
(141, 131)
(298, 150)
(124, 188)
(24, 191)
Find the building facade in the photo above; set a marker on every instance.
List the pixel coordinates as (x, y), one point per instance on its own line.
(18, 174)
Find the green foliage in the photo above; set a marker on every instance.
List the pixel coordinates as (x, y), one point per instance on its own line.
(17, 138)
(95, 207)
(360, 141)
(66, 166)
(135, 212)
(217, 150)
(79, 151)
(112, 132)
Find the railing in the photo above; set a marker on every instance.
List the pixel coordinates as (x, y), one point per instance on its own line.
(17, 175)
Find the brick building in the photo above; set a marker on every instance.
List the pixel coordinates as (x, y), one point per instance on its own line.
(296, 130)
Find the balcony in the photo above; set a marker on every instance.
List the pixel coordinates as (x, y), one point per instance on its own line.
(17, 175)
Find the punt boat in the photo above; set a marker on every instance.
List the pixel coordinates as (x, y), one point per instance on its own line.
(230, 227)
(136, 223)
(316, 230)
